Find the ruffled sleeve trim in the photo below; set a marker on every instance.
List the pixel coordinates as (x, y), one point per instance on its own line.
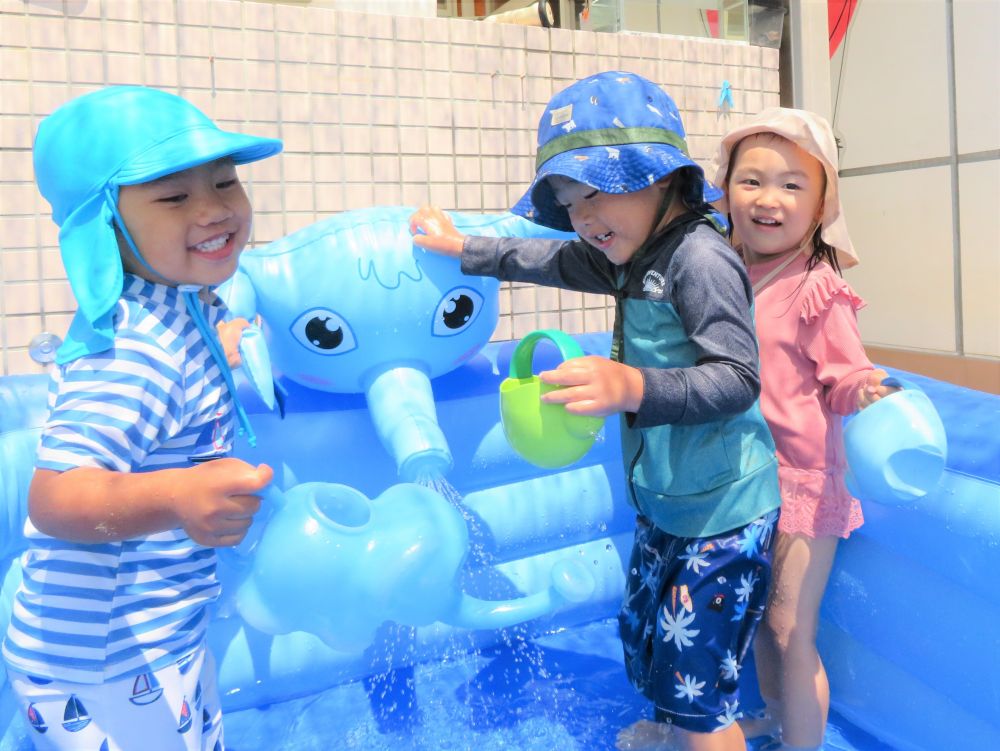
(822, 291)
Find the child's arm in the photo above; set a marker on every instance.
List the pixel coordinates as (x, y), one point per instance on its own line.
(213, 502)
(832, 341)
(710, 293)
(567, 264)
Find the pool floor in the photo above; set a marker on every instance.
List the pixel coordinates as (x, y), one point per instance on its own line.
(564, 692)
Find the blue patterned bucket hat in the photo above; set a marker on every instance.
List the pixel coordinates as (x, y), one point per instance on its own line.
(615, 131)
(85, 150)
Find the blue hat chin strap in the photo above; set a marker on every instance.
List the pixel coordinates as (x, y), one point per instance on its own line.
(190, 294)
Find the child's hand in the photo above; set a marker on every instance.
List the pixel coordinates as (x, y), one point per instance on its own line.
(229, 334)
(873, 390)
(218, 500)
(594, 386)
(433, 230)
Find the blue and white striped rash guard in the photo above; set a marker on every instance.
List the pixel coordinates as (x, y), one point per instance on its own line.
(90, 613)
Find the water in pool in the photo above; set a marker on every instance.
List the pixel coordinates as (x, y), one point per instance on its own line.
(562, 692)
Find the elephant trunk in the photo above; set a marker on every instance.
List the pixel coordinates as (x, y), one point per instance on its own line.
(401, 404)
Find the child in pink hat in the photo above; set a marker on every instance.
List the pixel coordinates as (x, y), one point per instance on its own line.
(779, 173)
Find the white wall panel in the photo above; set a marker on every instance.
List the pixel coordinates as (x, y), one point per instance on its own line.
(977, 74)
(891, 100)
(901, 225)
(979, 186)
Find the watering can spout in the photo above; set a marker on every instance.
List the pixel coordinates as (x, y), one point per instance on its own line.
(401, 404)
(571, 582)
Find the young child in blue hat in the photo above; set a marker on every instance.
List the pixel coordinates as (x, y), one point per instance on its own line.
(612, 166)
(106, 643)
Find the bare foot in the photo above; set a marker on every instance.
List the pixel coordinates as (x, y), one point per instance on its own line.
(644, 735)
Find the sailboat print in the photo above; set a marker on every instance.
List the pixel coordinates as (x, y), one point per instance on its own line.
(36, 720)
(206, 722)
(145, 689)
(75, 717)
(184, 721)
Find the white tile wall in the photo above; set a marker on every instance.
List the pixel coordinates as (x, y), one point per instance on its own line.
(373, 109)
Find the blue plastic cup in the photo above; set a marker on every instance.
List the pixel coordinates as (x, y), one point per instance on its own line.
(896, 448)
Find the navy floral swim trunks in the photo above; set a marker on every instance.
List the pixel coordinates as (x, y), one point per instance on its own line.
(691, 609)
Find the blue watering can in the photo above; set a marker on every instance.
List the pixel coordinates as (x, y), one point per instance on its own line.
(334, 563)
(896, 448)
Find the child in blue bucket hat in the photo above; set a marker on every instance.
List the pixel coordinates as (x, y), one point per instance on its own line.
(613, 167)
(106, 643)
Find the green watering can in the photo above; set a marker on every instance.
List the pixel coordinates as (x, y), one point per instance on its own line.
(544, 434)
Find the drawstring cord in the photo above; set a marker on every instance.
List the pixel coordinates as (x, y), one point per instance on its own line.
(189, 292)
(792, 255)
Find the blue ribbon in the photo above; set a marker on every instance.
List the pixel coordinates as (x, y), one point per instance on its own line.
(726, 95)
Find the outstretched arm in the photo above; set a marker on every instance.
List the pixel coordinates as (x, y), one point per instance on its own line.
(213, 502)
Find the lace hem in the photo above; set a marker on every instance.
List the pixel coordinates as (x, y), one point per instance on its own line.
(816, 503)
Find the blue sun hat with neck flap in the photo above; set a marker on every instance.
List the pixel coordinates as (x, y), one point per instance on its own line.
(616, 132)
(85, 150)
(89, 147)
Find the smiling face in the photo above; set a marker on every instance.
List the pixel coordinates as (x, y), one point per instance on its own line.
(617, 224)
(190, 226)
(775, 191)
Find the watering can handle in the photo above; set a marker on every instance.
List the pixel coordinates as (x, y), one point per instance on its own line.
(899, 383)
(520, 362)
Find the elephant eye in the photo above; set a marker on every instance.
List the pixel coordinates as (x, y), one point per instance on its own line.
(324, 332)
(456, 311)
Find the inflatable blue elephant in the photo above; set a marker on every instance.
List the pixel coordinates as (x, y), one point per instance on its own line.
(350, 305)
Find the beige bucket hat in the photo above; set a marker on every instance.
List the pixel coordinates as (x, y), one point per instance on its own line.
(813, 134)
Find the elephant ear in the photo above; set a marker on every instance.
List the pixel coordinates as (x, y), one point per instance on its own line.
(257, 366)
(239, 295)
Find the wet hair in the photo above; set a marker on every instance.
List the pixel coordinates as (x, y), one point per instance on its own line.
(689, 185)
(821, 250)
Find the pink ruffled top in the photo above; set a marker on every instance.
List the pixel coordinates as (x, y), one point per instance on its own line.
(812, 364)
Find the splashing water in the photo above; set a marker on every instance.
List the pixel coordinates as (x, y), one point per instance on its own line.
(497, 692)
(435, 480)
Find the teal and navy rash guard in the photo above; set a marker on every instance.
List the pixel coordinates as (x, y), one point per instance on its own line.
(698, 455)
(90, 613)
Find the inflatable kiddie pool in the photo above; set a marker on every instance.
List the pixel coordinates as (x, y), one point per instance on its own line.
(502, 623)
